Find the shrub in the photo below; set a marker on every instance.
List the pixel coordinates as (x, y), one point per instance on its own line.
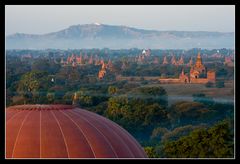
(209, 84)
(220, 84)
(151, 153)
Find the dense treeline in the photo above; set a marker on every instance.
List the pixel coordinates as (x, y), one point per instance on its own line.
(212, 142)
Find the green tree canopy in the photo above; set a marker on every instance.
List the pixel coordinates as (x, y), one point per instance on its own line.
(158, 132)
(152, 95)
(215, 142)
(150, 151)
(135, 114)
(184, 112)
(33, 84)
(112, 90)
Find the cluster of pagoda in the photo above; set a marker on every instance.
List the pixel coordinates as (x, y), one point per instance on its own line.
(75, 60)
(147, 53)
(196, 70)
(194, 76)
(176, 62)
(141, 57)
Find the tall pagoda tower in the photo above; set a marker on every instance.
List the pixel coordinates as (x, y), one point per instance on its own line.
(181, 61)
(199, 61)
(198, 65)
(173, 60)
(102, 72)
(110, 65)
(79, 59)
(90, 61)
(198, 68)
(190, 63)
(165, 60)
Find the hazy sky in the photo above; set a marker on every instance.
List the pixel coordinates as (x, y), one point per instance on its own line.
(44, 19)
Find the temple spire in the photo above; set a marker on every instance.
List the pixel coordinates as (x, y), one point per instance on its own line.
(173, 60)
(199, 60)
(74, 102)
(190, 62)
(182, 71)
(165, 60)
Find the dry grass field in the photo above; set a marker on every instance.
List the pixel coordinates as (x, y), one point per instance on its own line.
(178, 92)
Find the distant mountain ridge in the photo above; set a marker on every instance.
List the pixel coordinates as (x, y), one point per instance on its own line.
(111, 36)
